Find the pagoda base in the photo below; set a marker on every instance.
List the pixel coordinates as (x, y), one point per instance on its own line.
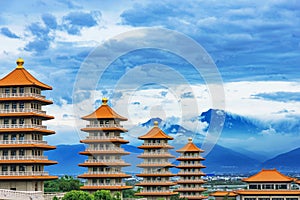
(22, 185)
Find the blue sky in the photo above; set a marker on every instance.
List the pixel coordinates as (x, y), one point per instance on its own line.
(255, 46)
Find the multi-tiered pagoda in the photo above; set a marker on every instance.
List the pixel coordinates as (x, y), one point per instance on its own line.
(104, 153)
(190, 172)
(22, 147)
(156, 166)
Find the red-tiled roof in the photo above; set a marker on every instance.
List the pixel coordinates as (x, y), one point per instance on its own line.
(104, 112)
(21, 77)
(268, 175)
(156, 133)
(223, 194)
(190, 147)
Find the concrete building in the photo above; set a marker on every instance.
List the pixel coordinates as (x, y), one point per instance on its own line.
(190, 172)
(104, 150)
(156, 166)
(22, 147)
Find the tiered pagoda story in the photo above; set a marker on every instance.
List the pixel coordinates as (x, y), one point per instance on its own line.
(104, 150)
(190, 172)
(156, 166)
(22, 146)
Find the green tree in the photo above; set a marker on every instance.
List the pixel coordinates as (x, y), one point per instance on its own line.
(77, 195)
(55, 198)
(117, 196)
(102, 195)
(128, 193)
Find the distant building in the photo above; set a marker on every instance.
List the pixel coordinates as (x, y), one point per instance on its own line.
(265, 185)
(156, 166)
(104, 150)
(190, 172)
(22, 147)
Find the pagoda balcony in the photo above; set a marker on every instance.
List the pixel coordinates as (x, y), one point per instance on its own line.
(103, 137)
(22, 142)
(8, 126)
(104, 126)
(105, 149)
(155, 145)
(190, 157)
(104, 161)
(183, 181)
(196, 165)
(23, 158)
(22, 110)
(191, 189)
(105, 172)
(151, 154)
(23, 173)
(157, 173)
(9, 95)
(156, 191)
(104, 184)
(196, 173)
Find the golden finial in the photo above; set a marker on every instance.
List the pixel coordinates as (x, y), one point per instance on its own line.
(155, 123)
(20, 63)
(190, 140)
(104, 101)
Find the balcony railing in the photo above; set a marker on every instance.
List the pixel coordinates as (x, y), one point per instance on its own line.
(156, 144)
(155, 163)
(22, 142)
(105, 149)
(25, 173)
(22, 126)
(23, 158)
(104, 161)
(156, 154)
(103, 137)
(105, 172)
(104, 126)
(156, 172)
(8, 95)
(195, 172)
(22, 110)
(104, 184)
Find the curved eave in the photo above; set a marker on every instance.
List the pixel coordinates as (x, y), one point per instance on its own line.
(155, 147)
(169, 183)
(28, 177)
(155, 175)
(44, 101)
(191, 166)
(191, 174)
(88, 141)
(87, 129)
(104, 176)
(110, 187)
(43, 131)
(103, 164)
(45, 162)
(155, 193)
(157, 156)
(190, 151)
(41, 146)
(103, 152)
(154, 165)
(190, 190)
(268, 181)
(28, 114)
(195, 158)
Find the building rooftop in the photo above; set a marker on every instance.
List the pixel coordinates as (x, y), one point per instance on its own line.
(268, 175)
(190, 147)
(21, 77)
(104, 112)
(156, 133)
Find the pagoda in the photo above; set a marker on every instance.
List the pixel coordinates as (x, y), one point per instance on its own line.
(22, 147)
(156, 166)
(190, 172)
(104, 153)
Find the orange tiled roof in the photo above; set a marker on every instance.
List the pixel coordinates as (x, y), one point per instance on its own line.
(104, 112)
(190, 147)
(268, 175)
(268, 192)
(20, 76)
(223, 194)
(156, 133)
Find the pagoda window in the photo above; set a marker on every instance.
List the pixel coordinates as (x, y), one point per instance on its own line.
(22, 168)
(253, 187)
(21, 90)
(6, 106)
(13, 152)
(267, 186)
(277, 198)
(14, 106)
(6, 121)
(13, 168)
(107, 181)
(101, 121)
(14, 121)
(94, 169)
(21, 152)
(4, 168)
(263, 198)
(94, 181)
(281, 186)
(7, 90)
(5, 152)
(14, 90)
(285, 198)
(14, 137)
(21, 105)
(5, 136)
(106, 121)
(21, 121)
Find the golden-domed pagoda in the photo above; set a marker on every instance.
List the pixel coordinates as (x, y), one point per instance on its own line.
(156, 166)
(104, 153)
(190, 172)
(22, 147)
